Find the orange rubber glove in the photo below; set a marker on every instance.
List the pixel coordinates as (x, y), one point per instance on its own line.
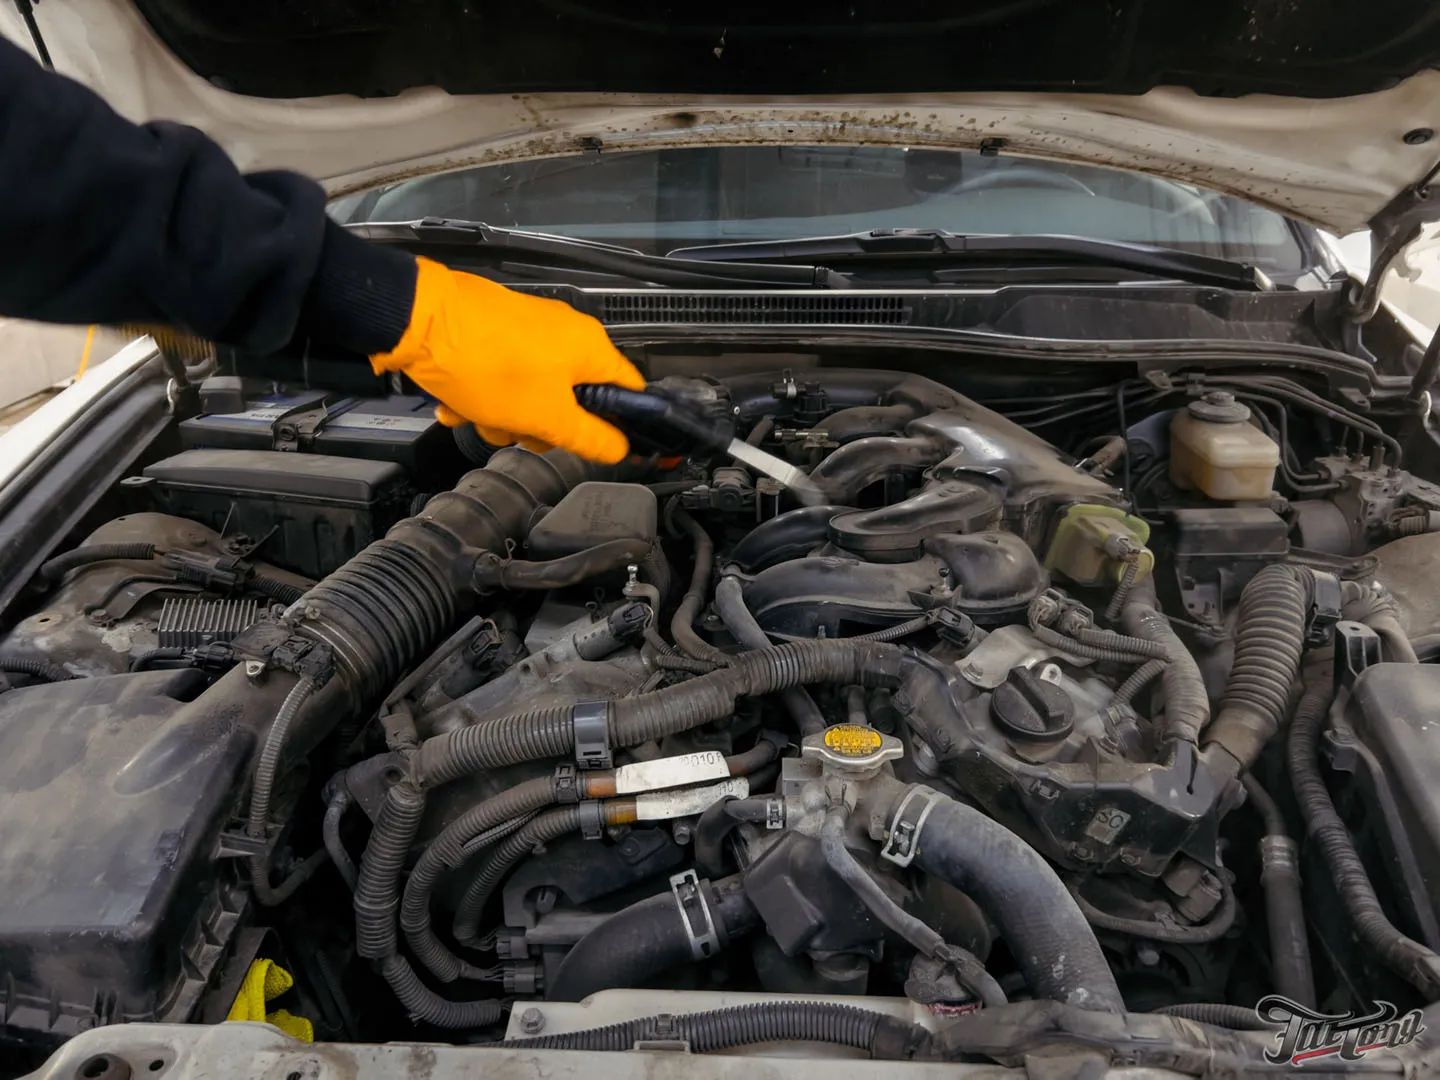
(508, 363)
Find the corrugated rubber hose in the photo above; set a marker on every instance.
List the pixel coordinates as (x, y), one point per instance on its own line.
(43, 670)
(267, 767)
(746, 1025)
(1269, 638)
(1218, 1014)
(1187, 705)
(58, 567)
(549, 733)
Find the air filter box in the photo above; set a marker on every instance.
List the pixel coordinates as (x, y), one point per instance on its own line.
(313, 511)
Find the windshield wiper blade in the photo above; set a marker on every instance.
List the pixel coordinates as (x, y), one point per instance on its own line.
(934, 248)
(566, 252)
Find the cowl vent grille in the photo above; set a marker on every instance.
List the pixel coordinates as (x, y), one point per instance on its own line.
(856, 309)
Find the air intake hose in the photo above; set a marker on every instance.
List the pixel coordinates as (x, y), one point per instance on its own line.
(1269, 638)
(384, 608)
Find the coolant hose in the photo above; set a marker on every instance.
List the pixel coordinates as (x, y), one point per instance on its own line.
(1213, 929)
(1269, 638)
(58, 567)
(926, 940)
(682, 627)
(1284, 904)
(730, 605)
(1410, 959)
(458, 840)
(491, 571)
(1055, 947)
(647, 939)
(1187, 705)
(267, 767)
(883, 1037)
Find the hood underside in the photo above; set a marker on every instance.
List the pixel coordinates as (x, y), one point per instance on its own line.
(1323, 110)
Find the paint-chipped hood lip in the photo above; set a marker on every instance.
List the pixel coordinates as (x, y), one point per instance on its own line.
(1332, 161)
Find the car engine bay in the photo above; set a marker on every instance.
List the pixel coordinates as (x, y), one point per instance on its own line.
(1112, 700)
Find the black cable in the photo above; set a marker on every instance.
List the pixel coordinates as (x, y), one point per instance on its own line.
(1213, 929)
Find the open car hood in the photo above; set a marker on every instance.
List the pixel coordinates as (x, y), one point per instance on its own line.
(1324, 110)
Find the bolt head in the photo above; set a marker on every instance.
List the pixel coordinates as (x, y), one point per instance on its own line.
(1418, 136)
(532, 1021)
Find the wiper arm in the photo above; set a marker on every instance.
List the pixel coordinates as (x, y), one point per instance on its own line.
(565, 252)
(935, 247)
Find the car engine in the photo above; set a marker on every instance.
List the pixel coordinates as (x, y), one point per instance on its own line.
(1113, 699)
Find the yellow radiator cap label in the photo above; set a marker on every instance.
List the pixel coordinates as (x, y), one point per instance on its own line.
(852, 740)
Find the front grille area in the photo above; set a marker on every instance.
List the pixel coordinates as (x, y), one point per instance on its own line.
(856, 309)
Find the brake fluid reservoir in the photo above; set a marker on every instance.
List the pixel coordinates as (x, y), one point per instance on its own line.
(1214, 448)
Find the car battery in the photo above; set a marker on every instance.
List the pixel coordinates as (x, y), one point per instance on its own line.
(400, 428)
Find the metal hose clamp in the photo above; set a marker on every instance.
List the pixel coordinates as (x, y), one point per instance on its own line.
(695, 915)
(903, 841)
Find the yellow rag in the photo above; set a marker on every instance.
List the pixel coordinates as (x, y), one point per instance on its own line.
(265, 981)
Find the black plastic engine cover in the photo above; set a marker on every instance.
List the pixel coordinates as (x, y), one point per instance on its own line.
(109, 904)
(1395, 710)
(990, 576)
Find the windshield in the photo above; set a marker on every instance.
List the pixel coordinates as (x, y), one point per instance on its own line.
(664, 199)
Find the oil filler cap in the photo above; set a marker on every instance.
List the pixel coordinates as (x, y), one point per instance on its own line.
(851, 748)
(1029, 706)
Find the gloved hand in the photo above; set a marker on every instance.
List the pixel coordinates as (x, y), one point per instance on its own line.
(508, 363)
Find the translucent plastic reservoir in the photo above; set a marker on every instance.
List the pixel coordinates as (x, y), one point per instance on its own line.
(1215, 449)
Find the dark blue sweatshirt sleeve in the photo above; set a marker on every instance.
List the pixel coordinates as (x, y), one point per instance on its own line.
(105, 221)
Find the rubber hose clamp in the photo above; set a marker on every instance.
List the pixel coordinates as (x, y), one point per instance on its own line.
(592, 820)
(591, 723)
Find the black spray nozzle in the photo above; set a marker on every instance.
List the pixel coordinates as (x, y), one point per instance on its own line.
(667, 423)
